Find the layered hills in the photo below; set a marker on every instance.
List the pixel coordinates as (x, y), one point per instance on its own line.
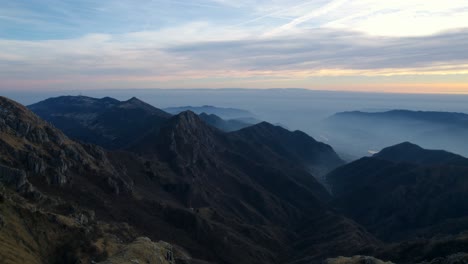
(224, 125)
(220, 197)
(222, 112)
(358, 132)
(128, 183)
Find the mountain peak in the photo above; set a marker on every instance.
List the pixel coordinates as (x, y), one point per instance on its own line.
(13, 112)
(48, 152)
(187, 114)
(188, 121)
(265, 126)
(108, 99)
(412, 153)
(404, 146)
(134, 100)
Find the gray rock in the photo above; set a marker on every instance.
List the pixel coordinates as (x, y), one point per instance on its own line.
(13, 177)
(85, 217)
(59, 180)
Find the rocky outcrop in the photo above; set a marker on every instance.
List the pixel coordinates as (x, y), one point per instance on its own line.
(143, 250)
(31, 147)
(13, 177)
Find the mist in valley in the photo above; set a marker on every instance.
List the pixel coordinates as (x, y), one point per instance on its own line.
(310, 111)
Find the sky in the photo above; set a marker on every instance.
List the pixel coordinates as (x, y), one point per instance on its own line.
(408, 46)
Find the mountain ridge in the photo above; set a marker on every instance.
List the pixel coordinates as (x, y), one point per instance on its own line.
(106, 122)
(398, 194)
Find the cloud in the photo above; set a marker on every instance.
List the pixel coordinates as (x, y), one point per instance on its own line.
(315, 13)
(400, 18)
(325, 50)
(185, 59)
(381, 18)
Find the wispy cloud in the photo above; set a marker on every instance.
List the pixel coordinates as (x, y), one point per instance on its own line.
(315, 13)
(324, 50)
(144, 57)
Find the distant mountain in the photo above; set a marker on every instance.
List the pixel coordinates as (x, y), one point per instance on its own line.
(359, 132)
(224, 125)
(106, 122)
(404, 191)
(448, 118)
(224, 113)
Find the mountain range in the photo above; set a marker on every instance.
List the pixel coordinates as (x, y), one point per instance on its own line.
(126, 182)
(106, 122)
(225, 113)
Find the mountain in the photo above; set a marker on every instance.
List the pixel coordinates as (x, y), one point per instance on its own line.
(224, 125)
(297, 147)
(30, 146)
(253, 188)
(106, 122)
(359, 132)
(47, 185)
(224, 113)
(185, 182)
(404, 191)
(187, 192)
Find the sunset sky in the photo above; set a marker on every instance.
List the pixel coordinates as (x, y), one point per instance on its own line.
(416, 46)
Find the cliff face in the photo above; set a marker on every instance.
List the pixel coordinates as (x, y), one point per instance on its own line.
(32, 148)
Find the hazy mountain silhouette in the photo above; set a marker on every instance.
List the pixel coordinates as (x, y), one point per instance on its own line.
(358, 132)
(224, 125)
(225, 113)
(106, 122)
